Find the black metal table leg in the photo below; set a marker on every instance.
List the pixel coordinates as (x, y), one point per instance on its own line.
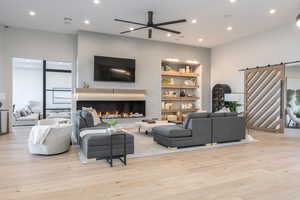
(111, 156)
(111, 151)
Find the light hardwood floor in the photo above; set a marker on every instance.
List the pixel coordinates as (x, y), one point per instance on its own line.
(266, 170)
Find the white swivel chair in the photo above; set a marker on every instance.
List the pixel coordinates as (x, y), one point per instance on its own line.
(293, 118)
(58, 140)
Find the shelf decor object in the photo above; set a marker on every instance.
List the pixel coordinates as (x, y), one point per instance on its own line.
(181, 95)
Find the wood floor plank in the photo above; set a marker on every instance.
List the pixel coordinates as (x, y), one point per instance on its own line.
(268, 169)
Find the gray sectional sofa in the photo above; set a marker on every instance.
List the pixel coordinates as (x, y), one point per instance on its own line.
(201, 129)
(98, 145)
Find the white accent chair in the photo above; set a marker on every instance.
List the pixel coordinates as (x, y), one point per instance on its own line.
(58, 140)
(293, 118)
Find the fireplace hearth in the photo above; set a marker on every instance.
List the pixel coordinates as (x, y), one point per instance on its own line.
(116, 109)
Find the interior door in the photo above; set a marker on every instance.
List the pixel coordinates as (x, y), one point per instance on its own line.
(264, 98)
(57, 89)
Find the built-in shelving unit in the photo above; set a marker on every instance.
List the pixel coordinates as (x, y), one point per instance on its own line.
(180, 89)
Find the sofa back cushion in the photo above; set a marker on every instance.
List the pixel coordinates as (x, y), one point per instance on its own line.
(223, 114)
(88, 118)
(231, 114)
(219, 114)
(188, 121)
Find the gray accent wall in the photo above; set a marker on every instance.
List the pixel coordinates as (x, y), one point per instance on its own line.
(148, 55)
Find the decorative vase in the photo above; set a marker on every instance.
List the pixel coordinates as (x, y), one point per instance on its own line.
(187, 69)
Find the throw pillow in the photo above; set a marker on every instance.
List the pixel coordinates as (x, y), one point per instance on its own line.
(96, 117)
(17, 114)
(94, 113)
(23, 113)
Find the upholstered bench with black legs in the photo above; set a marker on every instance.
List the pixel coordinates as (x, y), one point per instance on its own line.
(102, 145)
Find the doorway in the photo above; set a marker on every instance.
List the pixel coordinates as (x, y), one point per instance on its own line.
(292, 96)
(41, 89)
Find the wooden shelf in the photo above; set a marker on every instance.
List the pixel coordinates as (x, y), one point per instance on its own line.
(190, 110)
(179, 110)
(181, 86)
(170, 111)
(178, 74)
(179, 98)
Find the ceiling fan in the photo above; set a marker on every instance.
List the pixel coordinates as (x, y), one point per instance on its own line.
(151, 25)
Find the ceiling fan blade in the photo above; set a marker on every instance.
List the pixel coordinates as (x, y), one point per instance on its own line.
(130, 22)
(171, 22)
(150, 33)
(134, 30)
(167, 30)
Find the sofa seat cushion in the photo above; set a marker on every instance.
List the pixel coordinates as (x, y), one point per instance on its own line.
(172, 131)
(104, 139)
(31, 117)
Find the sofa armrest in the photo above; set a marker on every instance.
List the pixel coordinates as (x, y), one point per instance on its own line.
(202, 130)
(227, 129)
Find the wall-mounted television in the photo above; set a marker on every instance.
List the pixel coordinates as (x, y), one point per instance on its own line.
(114, 69)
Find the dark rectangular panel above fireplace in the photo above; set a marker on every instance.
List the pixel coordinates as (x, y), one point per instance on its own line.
(116, 109)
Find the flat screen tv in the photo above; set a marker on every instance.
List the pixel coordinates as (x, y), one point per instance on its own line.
(114, 69)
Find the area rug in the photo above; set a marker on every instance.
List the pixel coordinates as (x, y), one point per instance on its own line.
(145, 146)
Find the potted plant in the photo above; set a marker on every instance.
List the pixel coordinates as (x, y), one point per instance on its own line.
(232, 105)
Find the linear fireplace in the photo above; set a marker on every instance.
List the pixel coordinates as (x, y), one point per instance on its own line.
(116, 109)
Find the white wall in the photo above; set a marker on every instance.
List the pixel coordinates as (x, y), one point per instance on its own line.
(273, 47)
(27, 86)
(1, 59)
(25, 43)
(148, 55)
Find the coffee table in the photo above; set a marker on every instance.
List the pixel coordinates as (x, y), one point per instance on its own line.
(147, 127)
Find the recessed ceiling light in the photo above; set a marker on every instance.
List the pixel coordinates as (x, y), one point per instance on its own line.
(194, 21)
(96, 2)
(232, 1)
(200, 39)
(32, 13)
(131, 28)
(229, 28)
(272, 11)
(87, 21)
(169, 34)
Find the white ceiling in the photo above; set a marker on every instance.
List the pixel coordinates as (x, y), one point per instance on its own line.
(247, 17)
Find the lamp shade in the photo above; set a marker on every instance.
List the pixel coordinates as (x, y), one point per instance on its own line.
(234, 97)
